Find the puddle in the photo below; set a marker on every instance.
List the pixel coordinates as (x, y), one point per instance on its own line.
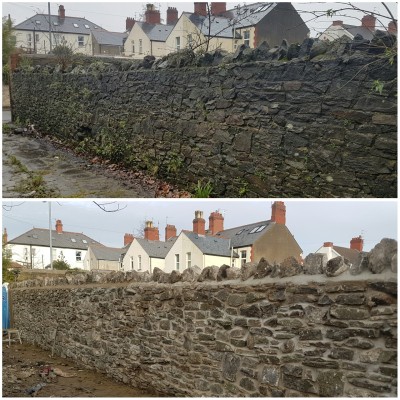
(65, 174)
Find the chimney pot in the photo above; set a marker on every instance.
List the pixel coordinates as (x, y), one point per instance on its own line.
(59, 226)
(170, 232)
(218, 8)
(172, 16)
(278, 214)
(216, 222)
(368, 21)
(328, 244)
(200, 9)
(129, 23)
(151, 232)
(128, 238)
(152, 16)
(357, 243)
(199, 223)
(61, 12)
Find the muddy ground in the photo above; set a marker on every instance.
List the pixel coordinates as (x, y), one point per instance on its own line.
(22, 364)
(36, 166)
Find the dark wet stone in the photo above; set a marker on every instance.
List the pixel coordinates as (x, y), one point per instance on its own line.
(230, 366)
(336, 266)
(380, 257)
(330, 383)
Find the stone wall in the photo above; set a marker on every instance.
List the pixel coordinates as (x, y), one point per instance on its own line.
(223, 332)
(256, 124)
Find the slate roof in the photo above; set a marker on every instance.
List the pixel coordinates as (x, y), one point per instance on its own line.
(156, 32)
(65, 240)
(350, 254)
(40, 22)
(155, 248)
(220, 26)
(245, 235)
(211, 245)
(109, 38)
(363, 31)
(250, 14)
(107, 253)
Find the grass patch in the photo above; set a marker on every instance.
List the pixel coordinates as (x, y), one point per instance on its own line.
(203, 190)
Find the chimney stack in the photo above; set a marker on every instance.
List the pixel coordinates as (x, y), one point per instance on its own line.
(200, 9)
(199, 223)
(152, 16)
(172, 16)
(368, 21)
(128, 238)
(61, 12)
(337, 23)
(5, 237)
(328, 244)
(278, 214)
(216, 222)
(129, 23)
(59, 226)
(170, 232)
(151, 232)
(218, 8)
(357, 243)
(392, 27)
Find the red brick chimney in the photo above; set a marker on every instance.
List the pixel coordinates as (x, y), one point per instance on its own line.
(172, 16)
(200, 9)
(152, 16)
(218, 8)
(199, 223)
(61, 12)
(392, 27)
(368, 21)
(151, 232)
(128, 238)
(59, 226)
(216, 222)
(170, 232)
(328, 244)
(5, 237)
(337, 23)
(278, 214)
(129, 23)
(357, 243)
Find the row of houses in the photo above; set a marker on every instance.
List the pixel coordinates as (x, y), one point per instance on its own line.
(200, 246)
(207, 27)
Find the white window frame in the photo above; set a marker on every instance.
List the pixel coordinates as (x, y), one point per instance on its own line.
(177, 43)
(78, 255)
(140, 46)
(177, 262)
(29, 39)
(133, 47)
(139, 260)
(132, 265)
(81, 41)
(188, 259)
(243, 260)
(246, 37)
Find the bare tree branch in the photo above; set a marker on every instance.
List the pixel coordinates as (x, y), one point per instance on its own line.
(103, 206)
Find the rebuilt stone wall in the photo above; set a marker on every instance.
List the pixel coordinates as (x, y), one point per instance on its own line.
(224, 332)
(314, 126)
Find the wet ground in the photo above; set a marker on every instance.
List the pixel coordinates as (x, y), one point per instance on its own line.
(23, 363)
(35, 166)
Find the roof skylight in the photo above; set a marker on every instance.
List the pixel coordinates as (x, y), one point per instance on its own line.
(87, 26)
(73, 240)
(238, 233)
(76, 25)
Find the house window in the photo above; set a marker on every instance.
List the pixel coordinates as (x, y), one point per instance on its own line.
(81, 41)
(36, 37)
(190, 40)
(188, 260)
(139, 261)
(54, 254)
(177, 262)
(246, 36)
(236, 44)
(177, 43)
(133, 47)
(131, 262)
(78, 256)
(140, 46)
(243, 257)
(29, 39)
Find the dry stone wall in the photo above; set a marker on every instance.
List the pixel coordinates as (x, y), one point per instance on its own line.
(220, 332)
(257, 124)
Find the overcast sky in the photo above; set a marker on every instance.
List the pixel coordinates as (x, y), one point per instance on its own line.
(112, 15)
(312, 222)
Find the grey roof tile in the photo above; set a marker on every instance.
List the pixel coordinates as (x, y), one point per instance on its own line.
(109, 38)
(66, 240)
(155, 248)
(364, 32)
(40, 23)
(211, 245)
(156, 32)
(107, 253)
(245, 235)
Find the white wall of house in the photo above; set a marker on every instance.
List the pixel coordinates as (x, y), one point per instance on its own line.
(92, 263)
(186, 35)
(79, 43)
(138, 45)
(39, 257)
(248, 36)
(244, 254)
(334, 32)
(136, 258)
(210, 260)
(329, 251)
